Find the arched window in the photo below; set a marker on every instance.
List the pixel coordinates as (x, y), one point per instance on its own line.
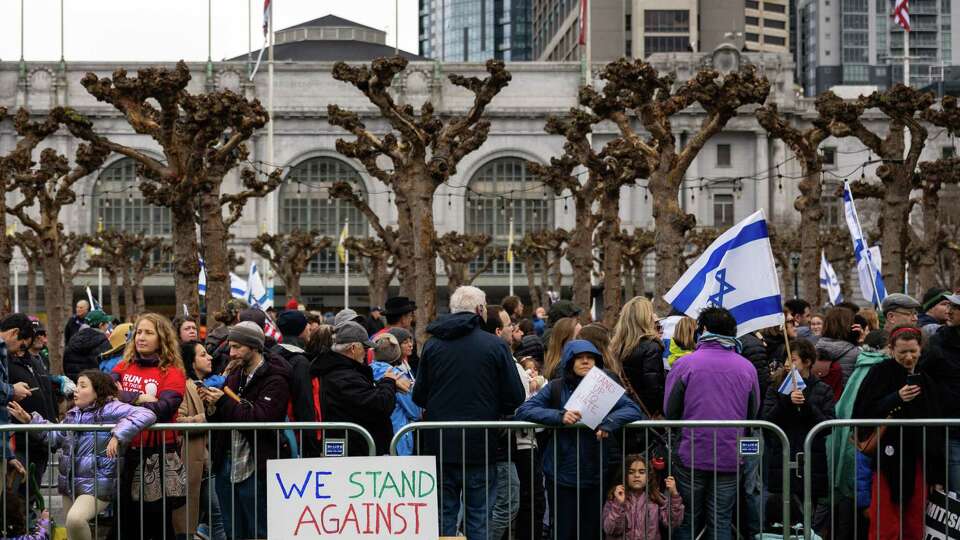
(502, 189)
(118, 201)
(305, 205)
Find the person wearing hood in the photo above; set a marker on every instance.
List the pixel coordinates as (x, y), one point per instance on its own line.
(465, 374)
(304, 388)
(87, 344)
(909, 460)
(713, 383)
(387, 357)
(262, 383)
(941, 361)
(350, 393)
(568, 479)
(796, 408)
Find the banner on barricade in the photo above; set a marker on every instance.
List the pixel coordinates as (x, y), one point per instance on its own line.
(352, 497)
(594, 397)
(942, 516)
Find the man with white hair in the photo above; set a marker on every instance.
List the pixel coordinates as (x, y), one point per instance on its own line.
(76, 321)
(466, 374)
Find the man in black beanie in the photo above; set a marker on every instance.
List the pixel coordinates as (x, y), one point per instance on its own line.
(304, 389)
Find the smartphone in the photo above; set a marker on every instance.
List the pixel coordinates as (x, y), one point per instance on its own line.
(199, 384)
(914, 379)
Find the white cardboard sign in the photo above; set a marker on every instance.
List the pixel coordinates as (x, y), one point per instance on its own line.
(594, 397)
(352, 497)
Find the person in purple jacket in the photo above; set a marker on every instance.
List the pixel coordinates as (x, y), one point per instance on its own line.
(712, 383)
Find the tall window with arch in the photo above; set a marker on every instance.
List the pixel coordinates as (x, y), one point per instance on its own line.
(500, 190)
(119, 203)
(305, 205)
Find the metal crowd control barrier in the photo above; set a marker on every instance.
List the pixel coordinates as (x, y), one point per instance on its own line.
(282, 429)
(842, 432)
(671, 428)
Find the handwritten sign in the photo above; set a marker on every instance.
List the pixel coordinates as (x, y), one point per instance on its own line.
(352, 497)
(594, 397)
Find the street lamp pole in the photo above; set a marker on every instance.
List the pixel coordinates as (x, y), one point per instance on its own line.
(795, 263)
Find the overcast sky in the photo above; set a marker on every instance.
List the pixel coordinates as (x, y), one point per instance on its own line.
(169, 30)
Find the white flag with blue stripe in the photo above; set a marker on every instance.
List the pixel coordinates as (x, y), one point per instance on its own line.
(793, 381)
(736, 272)
(829, 281)
(202, 279)
(256, 292)
(868, 269)
(238, 287)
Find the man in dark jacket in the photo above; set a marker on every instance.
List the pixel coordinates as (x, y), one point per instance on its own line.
(350, 393)
(76, 321)
(85, 347)
(263, 385)
(466, 374)
(304, 389)
(941, 362)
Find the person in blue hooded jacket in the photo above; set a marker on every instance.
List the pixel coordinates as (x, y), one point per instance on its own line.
(571, 475)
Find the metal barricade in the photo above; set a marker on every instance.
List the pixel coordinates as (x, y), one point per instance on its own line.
(286, 436)
(846, 514)
(459, 466)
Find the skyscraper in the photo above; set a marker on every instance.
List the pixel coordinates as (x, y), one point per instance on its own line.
(475, 30)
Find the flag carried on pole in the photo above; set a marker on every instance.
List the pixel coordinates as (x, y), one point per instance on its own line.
(829, 281)
(238, 287)
(868, 269)
(93, 301)
(202, 278)
(256, 292)
(793, 381)
(736, 272)
(901, 13)
(266, 37)
(341, 246)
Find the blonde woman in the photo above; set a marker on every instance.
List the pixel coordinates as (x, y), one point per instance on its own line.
(563, 331)
(683, 341)
(637, 347)
(151, 375)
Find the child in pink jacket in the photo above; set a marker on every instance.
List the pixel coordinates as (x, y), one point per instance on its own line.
(636, 511)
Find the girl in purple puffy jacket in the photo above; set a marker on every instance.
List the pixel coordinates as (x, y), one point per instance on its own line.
(638, 509)
(90, 459)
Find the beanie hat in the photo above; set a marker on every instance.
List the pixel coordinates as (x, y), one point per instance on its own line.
(292, 323)
(247, 333)
(97, 317)
(292, 304)
(386, 348)
(254, 315)
(402, 334)
(530, 346)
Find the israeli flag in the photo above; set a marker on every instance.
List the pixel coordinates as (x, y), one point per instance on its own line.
(256, 291)
(736, 272)
(668, 324)
(829, 281)
(202, 279)
(868, 268)
(793, 378)
(238, 287)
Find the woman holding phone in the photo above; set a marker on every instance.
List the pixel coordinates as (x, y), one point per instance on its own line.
(907, 462)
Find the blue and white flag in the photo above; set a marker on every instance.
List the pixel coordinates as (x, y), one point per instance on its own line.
(202, 279)
(868, 269)
(256, 291)
(238, 287)
(94, 305)
(792, 378)
(668, 324)
(736, 272)
(829, 281)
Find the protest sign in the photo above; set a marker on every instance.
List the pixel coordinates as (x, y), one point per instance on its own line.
(352, 497)
(594, 397)
(942, 516)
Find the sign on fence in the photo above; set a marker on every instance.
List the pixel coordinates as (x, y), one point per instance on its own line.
(352, 497)
(594, 397)
(943, 516)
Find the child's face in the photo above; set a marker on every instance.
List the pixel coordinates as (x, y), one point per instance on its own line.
(637, 476)
(583, 363)
(84, 396)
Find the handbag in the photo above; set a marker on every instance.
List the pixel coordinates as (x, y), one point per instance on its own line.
(161, 474)
(869, 445)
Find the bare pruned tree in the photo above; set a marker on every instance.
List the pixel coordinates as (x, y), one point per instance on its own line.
(458, 251)
(290, 255)
(542, 253)
(378, 263)
(637, 245)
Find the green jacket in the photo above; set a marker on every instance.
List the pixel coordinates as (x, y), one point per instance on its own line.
(839, 447)
(676, 353)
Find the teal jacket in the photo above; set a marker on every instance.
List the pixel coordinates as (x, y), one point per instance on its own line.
(841, 452)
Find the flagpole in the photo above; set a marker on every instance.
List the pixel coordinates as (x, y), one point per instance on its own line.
(250, 37)
(396, 29)
(16, 288)
(511, 256)
(906, 57)
(346, 268)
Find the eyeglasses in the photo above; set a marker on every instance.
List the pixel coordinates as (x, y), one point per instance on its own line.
(905, 313)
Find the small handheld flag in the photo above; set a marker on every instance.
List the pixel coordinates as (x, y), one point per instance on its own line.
(793, 381)
(736, 272)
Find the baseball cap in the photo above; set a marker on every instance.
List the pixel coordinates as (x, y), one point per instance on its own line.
(898, 301)
(351, 332)
(952, 298)
(98, 317)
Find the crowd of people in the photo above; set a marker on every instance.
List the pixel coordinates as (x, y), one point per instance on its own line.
(490, 362)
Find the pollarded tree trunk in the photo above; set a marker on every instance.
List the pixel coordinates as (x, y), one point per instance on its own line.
(129, 296)
(424, 248)
(670, 229)
(186, 268)
(580, 255)
(215, 255)
(291, 282)
(33, 304)
(378, 281)
(53, 296)
(612, 256)
(6, 255)
(114, 293)
(139, 299)
(406, 271)
(811, 213)
(895, 212)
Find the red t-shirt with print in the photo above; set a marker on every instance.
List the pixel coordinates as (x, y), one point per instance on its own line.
(162, 384)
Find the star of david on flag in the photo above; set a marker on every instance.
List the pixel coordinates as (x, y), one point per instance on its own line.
(736, 272)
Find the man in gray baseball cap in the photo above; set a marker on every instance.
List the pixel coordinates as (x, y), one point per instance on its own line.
(899, 309)
(350, 393)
